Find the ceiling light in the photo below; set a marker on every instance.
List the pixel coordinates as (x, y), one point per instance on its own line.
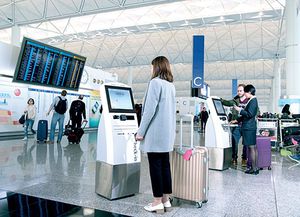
(223, 19)
(126, 31)
(261, 14)
(156, 27)
(187, 23)
(99, 34)
(71, 39)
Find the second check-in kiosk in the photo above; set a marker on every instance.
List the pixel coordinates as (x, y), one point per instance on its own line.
(217, 135)
(118, 155)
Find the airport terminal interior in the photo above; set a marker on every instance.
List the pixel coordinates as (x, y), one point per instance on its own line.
(100, 52)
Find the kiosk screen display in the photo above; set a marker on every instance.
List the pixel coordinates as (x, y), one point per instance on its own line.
(41, 64)
(219, 107)
(119, 99)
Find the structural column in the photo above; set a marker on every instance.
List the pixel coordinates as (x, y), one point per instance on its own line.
(293, 52)
(234, 87)
(129, 79)
(15, 36)
(276, 86)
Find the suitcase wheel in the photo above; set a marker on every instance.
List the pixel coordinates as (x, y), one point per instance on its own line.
(198, 204)
(269, 168)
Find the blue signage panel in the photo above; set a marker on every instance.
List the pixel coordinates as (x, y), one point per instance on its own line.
(234, 87)
(198, 61)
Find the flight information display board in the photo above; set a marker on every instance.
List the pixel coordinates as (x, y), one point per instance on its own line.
(41, 64)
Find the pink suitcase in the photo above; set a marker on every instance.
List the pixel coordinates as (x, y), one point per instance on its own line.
(190, 177)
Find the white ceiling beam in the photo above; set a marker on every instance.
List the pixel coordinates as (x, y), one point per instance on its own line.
(80, 12)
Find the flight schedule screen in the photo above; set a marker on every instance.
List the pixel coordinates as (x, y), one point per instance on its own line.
(42, 64)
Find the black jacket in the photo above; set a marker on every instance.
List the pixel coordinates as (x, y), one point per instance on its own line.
(77, 109)
(248, 115)
(204, 116)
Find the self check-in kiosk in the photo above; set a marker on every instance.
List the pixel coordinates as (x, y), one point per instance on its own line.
(118, 156)
(217, 135)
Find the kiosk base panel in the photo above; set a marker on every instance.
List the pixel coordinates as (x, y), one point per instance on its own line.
(117, 181)
(219, 158)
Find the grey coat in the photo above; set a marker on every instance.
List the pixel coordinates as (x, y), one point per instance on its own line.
(158, 124)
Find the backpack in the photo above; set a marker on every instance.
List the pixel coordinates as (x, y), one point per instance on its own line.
(61, 106)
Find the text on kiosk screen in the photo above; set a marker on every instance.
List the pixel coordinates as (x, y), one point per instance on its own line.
(120, 99)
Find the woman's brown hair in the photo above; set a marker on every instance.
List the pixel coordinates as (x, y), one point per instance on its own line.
(162, 69)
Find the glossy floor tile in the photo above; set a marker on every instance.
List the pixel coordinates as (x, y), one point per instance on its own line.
(16, 205)
(66, 173)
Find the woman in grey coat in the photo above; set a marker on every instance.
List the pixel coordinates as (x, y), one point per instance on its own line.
(157, 131)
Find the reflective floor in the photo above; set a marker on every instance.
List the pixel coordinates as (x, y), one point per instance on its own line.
(66, 173)
(15, 205)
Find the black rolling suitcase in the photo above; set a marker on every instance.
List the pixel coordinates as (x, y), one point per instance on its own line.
(42, 131)
(74, 135)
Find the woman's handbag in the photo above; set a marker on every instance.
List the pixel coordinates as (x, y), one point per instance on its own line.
(22, 119)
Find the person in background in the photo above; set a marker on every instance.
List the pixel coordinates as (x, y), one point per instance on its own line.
(203, 118)
(77, 111)
(30, 112)
(239, 100)
(60, 106)
(249, 126)
(157, 132)
(286, 110)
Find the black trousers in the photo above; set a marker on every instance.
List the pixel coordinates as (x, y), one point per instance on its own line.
(160, 173)
(203, 124)
(76, 122)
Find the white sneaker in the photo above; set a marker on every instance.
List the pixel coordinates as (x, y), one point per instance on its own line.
(25, 138)
(158, 208)
(167, 204)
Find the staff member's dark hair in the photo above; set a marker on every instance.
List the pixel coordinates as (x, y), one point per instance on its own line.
(162, 69)
(249, 89)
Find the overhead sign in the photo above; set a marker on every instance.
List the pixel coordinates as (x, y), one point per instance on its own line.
(198, 61)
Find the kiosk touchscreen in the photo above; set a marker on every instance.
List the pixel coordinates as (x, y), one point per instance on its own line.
(217, 135)
(119, 99)
(118, 155)
(219, 107)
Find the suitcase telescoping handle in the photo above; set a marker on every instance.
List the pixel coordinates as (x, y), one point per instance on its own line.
(191, 119)
(84, 123)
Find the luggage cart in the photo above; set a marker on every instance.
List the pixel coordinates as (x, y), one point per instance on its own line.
(268, 127)
(283, 124)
